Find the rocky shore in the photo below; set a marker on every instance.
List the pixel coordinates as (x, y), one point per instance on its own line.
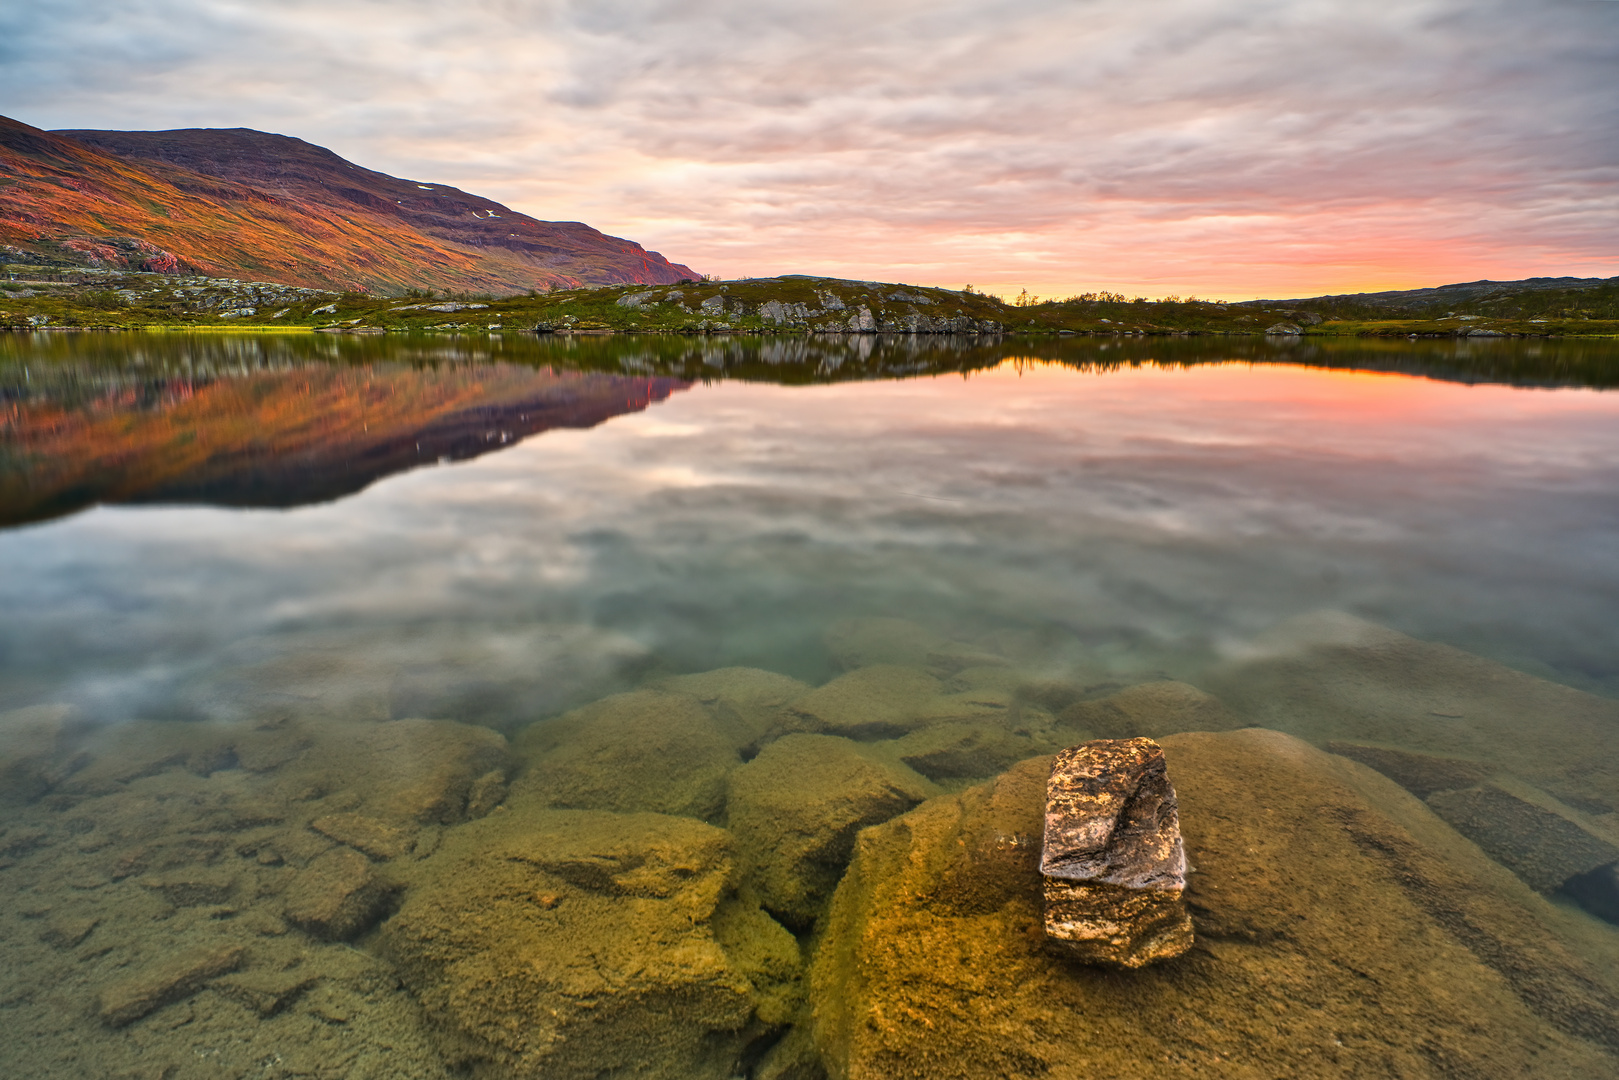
(732, 873)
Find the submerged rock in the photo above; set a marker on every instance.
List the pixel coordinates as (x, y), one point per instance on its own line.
(955, 750)
(882, 701)
(795, 810)
(864, 642)
(1331, 676)
(569, 944)
(1150, 709)
(747, 702)
(1343, 930)
(647, 750)
(1112, 857)
(37, 751)
(338, 896)
(1528, 832)
(166, 983)
(1420, 774)
(1597, 891)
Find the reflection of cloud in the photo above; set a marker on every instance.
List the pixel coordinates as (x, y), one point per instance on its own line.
(1276, 146)
(1151, 515)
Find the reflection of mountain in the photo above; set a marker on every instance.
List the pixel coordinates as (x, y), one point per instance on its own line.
(301, 434)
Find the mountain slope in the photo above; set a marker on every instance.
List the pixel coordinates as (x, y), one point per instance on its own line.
(247, 204)
(1461, 293)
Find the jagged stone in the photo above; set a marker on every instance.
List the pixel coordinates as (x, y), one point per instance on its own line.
(648, 750)
(179, 978)
(337, 896)
(795, 810)
(1343, 930)
(1150, 709)
(1113, 861)
(1420, 774)
(570, 944)
(1528, 832)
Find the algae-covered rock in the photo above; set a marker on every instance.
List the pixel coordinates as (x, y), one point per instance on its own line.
(411, 770)
(1150, 709)
(37, 751)
(882, 701)
(747, 702)
(165, 983)
(648, 750)
(956, 750)
(1536, 837)
(796, 808)
(573, 944)
(1420, 774)
(1330, 676)
(337, 896)
(1343, 930)
(862, 642)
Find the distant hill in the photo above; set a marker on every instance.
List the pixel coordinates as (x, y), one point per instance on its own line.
(1463, 293)
(248, 204)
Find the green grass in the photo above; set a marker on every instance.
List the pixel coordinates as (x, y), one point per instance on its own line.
(88, 300)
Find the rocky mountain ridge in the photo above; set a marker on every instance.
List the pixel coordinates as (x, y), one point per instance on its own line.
(239, 203)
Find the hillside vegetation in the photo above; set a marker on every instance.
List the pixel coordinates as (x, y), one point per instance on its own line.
(247, 204)
(35, 299)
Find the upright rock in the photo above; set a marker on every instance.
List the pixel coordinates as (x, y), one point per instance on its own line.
(1113, 861)
(1343, 930)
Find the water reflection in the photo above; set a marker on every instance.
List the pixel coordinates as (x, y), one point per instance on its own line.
(285, 421)
(243, 735)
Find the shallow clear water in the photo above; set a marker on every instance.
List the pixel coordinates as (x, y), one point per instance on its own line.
(241, 534)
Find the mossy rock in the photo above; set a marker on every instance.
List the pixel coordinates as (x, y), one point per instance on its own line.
(864, 642)
(747, 702)
(881, 701)
(795, 810)
(647, 750)
(1330, 676)
(570, 944)
(1342, 930)
(1150, 709)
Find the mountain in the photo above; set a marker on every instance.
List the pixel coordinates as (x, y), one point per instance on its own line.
(1465, 292)
(247, 204)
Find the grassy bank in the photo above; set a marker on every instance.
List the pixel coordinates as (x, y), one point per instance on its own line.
(91, 300)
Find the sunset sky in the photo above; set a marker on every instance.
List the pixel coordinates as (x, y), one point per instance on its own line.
(1229, 149)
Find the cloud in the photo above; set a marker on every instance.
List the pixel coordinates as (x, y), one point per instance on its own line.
(1268, 146)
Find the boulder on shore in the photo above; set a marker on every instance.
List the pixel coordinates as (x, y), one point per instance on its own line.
(1342, 929)
(1112, 857)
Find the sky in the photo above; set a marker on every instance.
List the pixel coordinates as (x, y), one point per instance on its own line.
(1221, 148)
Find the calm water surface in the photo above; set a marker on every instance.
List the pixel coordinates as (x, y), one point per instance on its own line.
(289, 625)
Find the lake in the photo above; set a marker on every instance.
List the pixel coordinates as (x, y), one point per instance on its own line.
(578, 706)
